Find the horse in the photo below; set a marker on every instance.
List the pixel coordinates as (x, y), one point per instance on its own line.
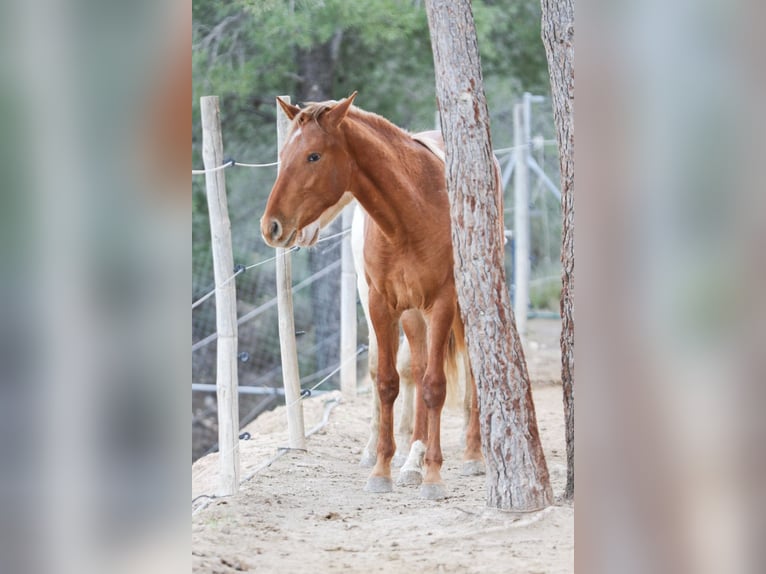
(403, 360)
(336, 152)
(410, 462)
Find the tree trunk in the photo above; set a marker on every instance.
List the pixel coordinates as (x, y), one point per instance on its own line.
(517, 476)
(558, 37)
(316, 71)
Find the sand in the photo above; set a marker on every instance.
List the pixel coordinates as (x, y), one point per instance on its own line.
(308, 512)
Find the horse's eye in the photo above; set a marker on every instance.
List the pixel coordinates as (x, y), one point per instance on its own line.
(314, 157)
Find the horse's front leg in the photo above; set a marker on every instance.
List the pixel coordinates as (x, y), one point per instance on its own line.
(406, 408)
(416, 331)
(386, 324)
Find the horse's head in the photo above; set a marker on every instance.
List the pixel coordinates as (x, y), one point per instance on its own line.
(315, 170)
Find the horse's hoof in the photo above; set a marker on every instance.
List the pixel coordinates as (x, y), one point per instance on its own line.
(378, 484)
(473, 468)
(399, 459)
(409, 478)
(434, 491)
(367, 460)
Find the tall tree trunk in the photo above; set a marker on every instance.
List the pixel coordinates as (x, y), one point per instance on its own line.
(558, 37)
(316, 71)
(517, 476)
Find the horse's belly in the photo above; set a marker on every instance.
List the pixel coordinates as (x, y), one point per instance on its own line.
(407, 297)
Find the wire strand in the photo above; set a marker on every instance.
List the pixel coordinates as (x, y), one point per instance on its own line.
(213, 290)
(239, 271)
(359, 351)
(212, 169)
(273, 163)
(230, 163)
(503, 150)
(209, 294)
(270, 259)
(269, 304)
(334, 235)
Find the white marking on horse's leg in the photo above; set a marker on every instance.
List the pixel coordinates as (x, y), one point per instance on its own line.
(411, 473)
(370, 452)
(406, 406)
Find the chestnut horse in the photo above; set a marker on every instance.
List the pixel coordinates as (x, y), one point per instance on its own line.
(333, 154)
(412, 465)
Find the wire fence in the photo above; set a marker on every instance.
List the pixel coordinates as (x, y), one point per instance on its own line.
(316, 288)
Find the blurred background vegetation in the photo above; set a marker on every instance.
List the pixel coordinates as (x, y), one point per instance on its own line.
(249, 51)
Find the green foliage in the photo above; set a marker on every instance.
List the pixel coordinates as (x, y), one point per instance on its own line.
(545, 292)
(244, 51)
(510, 42)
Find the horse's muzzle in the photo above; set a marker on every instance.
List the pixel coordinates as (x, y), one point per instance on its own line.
(271, 229)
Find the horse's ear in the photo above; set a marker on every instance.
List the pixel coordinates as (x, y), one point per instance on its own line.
(290, 110)
(336, 114)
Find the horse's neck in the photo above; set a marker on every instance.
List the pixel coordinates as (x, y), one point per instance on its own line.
(386, 185)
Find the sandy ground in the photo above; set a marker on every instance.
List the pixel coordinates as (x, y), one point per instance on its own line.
(307, 512)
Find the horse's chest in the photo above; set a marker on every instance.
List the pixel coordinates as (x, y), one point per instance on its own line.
(404, 292)
(409, 284)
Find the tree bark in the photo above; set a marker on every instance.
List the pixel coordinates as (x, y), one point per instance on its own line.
(558, 37)
(517, 475)
(316, 72)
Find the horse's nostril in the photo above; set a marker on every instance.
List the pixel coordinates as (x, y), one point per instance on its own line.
(275, 229)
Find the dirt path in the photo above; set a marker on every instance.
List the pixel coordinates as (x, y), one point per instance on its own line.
(307, 512)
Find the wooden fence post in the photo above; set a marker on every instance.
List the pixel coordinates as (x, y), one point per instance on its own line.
(348, 312)
(290, 374)
(520, 222)
(225, 299)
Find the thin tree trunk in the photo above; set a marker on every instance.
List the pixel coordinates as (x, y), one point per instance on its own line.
(517, 476)
(558, 37)
(316, 71)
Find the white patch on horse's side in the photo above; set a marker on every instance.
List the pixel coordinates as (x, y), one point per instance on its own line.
(295, 135)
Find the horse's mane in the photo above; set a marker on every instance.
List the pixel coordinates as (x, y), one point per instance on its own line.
(314, 110)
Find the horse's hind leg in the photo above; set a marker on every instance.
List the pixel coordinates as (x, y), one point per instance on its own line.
(473, 462)
(434, 392)
(406, 403)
